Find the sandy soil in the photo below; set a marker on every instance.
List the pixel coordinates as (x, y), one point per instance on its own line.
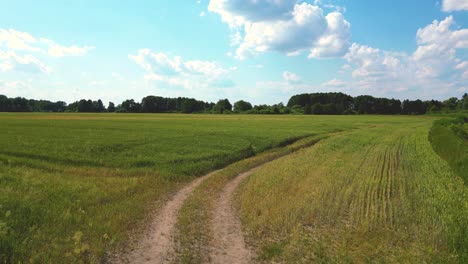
(228, 245)
(228, 242)
(158, 245)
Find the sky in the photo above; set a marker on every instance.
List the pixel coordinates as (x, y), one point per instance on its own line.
(262, 51)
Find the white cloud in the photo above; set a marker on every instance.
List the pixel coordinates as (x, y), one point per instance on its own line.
(16, 40)
(59, 51)
(158, 63)
(432, 69)
(23, 41)
(335, 41)
(16, 49)
(11, 61)
(334, 83)
(454, 5)
(176, 73)
(291, 77)
(284, 26)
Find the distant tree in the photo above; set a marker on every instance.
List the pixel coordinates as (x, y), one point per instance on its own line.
(300, 99)
(73, 107)
(451, 103)
(308, 109)
(330, 109)
(222, 106)
(85, 105)
(111, 107)
(297, 109)
(190, 106)
(98, 106)
(4, 103)
(242, 106)
(416, 107)
(433, 106)
(275, 110)
(316, 109)
(336, 103)
(130, 106)
(464, 102)
(364, 104)
(154, 104)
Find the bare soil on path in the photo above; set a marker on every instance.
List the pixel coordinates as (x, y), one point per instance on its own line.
(158, 245)
(228, 244)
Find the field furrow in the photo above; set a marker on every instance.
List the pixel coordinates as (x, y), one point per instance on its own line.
(375, 195)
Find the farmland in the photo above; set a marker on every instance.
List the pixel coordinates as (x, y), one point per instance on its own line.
(75, 186)
(374, 195)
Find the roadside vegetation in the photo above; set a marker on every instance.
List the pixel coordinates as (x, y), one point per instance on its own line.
(378, 195)
(449, 138)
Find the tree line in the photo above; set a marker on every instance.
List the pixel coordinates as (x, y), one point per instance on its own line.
(308, 103)
(340, 103)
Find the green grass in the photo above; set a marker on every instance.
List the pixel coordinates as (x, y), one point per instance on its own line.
(72, 186)
(376, 195)
(194, 234)
(449, 138)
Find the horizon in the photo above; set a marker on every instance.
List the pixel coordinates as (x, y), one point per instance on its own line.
(262, 52)
(231, 101)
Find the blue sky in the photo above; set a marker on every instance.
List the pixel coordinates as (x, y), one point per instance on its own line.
(263, 51)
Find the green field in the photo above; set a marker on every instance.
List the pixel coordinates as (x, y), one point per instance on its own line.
(379, 195)
(74, 186)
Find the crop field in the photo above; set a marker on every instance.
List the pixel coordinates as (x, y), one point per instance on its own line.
(74, 187)
(379, 195)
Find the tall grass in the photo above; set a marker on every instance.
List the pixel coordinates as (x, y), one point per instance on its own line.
(372, 195)
(449, 138)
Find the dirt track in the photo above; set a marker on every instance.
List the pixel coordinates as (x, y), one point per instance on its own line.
(228, 244)
(158, 245)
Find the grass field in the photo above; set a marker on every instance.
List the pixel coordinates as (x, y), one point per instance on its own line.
(377, 195)
(73, 185)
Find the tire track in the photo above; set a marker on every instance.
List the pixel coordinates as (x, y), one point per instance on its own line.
(228, 239)
(158, 245)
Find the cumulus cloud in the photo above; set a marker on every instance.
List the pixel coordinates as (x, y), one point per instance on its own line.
(335, 40)
(16, 40)
(59, 51)
(15, 88)
(16, 49)
(454, 5)
(334, 83)
(284, 26)
(291, 77)
(11, 61)
(174, 72)
(23, 41)
(434, 66)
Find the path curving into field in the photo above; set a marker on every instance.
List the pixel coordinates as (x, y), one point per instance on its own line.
(228, 244)
(158, 245)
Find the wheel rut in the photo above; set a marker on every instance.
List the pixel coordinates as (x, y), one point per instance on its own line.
(228, 245)
(158, 245)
